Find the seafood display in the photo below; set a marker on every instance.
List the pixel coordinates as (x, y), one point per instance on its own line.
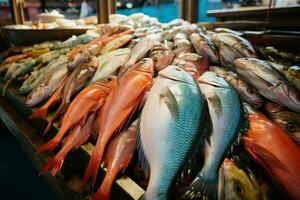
(177, 104)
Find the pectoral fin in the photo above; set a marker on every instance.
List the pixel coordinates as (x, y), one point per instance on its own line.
(170, 100)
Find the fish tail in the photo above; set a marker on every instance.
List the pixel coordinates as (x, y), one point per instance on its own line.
(201, 189)
(53, 164)
(103, 192)
(41, 112)
(48, 127)
(51, 145)
(93, 166)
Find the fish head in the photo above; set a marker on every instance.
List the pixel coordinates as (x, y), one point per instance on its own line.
(244, 64)
(35, 96)
(236, 183)
(145, 66)
(189, 68)
(176, 73)
(251, 94)
(210, 78)
(108, 83)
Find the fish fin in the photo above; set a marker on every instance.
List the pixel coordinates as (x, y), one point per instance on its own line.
(62, 108)
(50, 145)
(261, 153)
(53, 164)
(142, 156)
(200, 189)
(41, 112)
(5, 87)
(170, 100)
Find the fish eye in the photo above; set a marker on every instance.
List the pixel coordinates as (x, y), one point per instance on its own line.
(291, 127)
(251, 91)
(178, 69)
(238, 188)
(109, 79)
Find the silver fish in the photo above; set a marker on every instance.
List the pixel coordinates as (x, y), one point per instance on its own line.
(170, 117)
(245, 90)
(268, 82)
(161, 55)
(52, 81)
(19, 69)
(181, 44)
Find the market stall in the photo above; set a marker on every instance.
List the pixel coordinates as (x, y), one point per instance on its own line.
(135, 108)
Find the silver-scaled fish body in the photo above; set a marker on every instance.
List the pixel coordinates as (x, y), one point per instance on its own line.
(170, 118)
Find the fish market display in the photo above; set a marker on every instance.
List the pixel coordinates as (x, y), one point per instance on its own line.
(168, 105)
(170, 118)
(269, 82)
(275, 152)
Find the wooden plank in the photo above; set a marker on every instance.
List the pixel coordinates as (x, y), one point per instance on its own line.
(192, 11)
(75, 164)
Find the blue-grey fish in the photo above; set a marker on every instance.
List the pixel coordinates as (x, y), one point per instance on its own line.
(226, 114)
(269, 82)
(73, 41)
(170, 117)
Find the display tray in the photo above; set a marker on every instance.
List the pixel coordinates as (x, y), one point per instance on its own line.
(67, 184)
(24, 37)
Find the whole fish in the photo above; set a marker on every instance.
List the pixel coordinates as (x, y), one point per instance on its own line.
(161, 55)
(17, 58)
(118, 156)
(74, 83)
(181, 44)
(291, 73)
(19, 69)
(52, 80)
(201, 63)
(226, 114)
(286, 119)
(170, 117)
(36, 77)
(88, 100)
(109, 62)
(204, 47)
(236, 183)
(119, 105)
(139, 51)
(241, 45)
(77, 136)
(73, 41)
(268, 82)
(275, 152)
(245, 90)
(116, 43)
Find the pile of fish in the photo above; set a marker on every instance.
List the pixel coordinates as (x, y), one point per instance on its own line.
(210, 117)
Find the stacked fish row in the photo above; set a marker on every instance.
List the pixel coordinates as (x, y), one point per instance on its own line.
(183, 119)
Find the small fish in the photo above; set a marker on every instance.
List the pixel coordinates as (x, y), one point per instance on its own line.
(201, 63)
(226, 114)
(245, 90)
(109, 62)
(74, 83)
(286, 119)
(17, 58)
(36, 77)
(48, 57)
(139, 51)
(275, 152)
(90, 99)
(161, 55)
(241, 45)
(52, 80)
(170, 117)
(268, 82)
(236, 183)
(181, 44)
(118, 156)
(291, 73)
(204, 47)
(74, 41)
(77, 136)
(120, 104)
(19, 69)
(116, 43)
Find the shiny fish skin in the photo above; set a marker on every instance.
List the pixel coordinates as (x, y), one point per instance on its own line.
(268, 82)
(226, 115)
(161, 55)
(245, 90)
(170, 117)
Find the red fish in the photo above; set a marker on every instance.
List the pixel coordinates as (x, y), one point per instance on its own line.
(78, 135)
(119, 106)
(275, 152)
(89, 99)
(118, 156)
